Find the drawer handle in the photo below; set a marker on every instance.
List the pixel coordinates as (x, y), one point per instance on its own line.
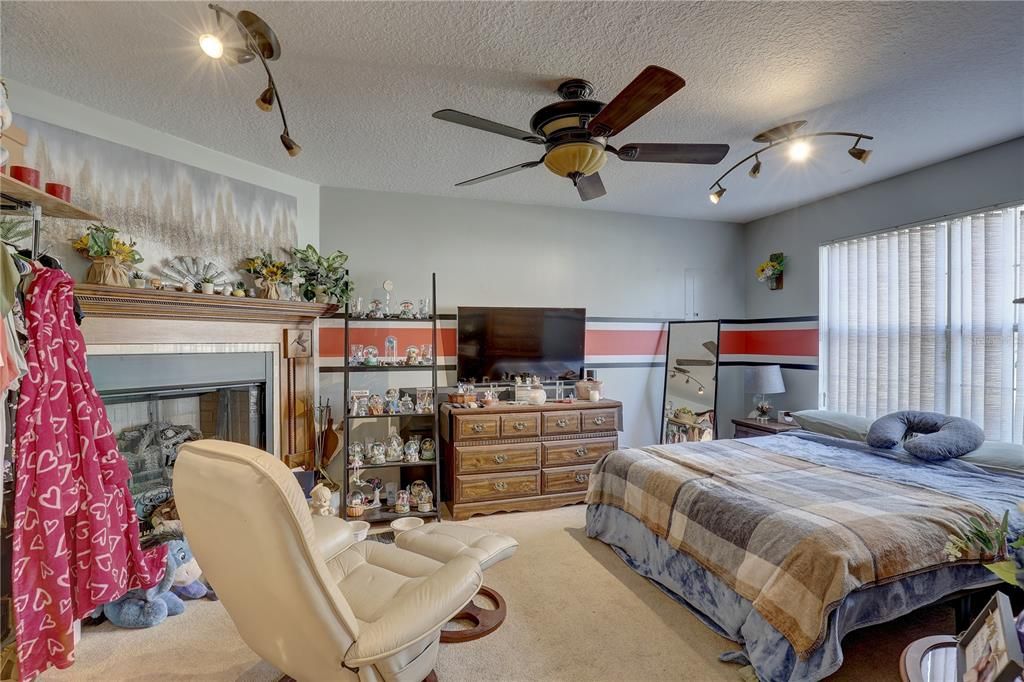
(500, 486)
(500, 459)
(478, 428)
(600, 420)
(519, 426)
(562, 423)
(581, 451)
(582, 477)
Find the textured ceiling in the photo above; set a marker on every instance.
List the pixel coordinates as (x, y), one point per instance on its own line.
(360, 80)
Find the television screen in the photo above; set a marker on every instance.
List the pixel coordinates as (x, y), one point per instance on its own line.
(496, 344)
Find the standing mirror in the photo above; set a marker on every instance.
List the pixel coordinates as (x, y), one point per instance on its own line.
(691, 382)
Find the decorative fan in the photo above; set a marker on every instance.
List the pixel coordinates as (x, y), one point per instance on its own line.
(575, 131)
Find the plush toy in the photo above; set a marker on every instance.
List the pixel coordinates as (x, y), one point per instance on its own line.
(146, 608)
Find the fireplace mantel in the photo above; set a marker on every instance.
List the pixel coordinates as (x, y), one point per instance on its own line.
(103, 301)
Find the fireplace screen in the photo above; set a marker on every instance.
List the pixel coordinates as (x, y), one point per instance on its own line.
(150, 427)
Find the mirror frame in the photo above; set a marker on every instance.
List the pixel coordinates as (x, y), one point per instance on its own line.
(668, 367)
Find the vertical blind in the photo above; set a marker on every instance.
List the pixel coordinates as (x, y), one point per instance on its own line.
(922, 318)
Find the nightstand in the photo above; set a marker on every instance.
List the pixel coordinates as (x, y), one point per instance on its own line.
(751, 428)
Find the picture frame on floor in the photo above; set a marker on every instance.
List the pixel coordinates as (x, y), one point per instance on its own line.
(989, 651)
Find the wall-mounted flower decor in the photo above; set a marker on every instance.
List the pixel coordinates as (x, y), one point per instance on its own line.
(771, 271)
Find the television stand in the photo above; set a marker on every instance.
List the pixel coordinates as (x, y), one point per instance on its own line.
(523, 457)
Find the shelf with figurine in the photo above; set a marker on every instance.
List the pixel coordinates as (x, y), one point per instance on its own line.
(388, 501)
(392, 451)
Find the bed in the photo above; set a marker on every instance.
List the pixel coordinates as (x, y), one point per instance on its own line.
(786, 543)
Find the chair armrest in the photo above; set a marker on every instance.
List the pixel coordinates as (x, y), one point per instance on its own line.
(418, 613)
(332, 535)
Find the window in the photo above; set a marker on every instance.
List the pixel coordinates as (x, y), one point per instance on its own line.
(922, 318)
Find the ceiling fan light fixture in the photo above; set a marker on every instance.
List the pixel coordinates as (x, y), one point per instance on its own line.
(755, 170)
(290, 145)
(584, 158)
(266, 99)
(717, 195)
(858, 153)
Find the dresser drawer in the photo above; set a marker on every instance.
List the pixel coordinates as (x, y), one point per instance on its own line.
(565, 480)
(483, 487)
(520, 425)
(599, 420)
(576, 451)
(475, 459)
(556, 423)
(470, 427)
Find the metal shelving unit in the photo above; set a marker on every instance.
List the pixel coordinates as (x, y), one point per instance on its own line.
(383, 514)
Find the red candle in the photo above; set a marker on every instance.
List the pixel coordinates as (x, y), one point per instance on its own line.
(58, 190)
(30, 176)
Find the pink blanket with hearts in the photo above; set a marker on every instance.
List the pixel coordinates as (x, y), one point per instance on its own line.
(76, 534)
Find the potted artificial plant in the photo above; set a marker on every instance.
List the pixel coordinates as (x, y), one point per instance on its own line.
(111, 257)
(324, 278)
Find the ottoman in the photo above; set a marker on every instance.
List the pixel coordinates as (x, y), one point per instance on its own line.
(445, 541)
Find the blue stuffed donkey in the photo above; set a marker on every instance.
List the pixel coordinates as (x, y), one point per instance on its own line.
(146, 608)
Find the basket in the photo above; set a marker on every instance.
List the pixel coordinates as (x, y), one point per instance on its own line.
(462, 398)
(355, 510)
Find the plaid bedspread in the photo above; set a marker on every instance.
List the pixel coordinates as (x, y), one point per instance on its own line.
(792, 537)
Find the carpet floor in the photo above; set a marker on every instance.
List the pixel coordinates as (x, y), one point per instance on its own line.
(576, 612)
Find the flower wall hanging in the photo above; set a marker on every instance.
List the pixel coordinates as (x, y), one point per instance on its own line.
(771, 271)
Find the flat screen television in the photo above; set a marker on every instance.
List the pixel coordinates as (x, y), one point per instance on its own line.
(496, 344)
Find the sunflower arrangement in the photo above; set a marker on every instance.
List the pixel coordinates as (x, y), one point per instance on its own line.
(267, 272)
(101, 241)
(770, 269)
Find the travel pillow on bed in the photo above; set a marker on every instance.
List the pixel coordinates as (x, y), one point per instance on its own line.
(944, 437)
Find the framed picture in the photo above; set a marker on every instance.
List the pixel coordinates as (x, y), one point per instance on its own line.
(989, 651)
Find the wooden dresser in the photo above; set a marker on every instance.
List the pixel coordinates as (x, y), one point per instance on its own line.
(523, 457)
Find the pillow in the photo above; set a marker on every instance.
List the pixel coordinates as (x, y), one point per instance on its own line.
(998, 456)
(838, 424)
(944, 437)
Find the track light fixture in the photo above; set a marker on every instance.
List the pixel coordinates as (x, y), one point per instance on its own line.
(858, 153)
(259, 41)
(755, 170)
(799, 149)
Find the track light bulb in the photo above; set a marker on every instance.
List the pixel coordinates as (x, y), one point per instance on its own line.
(266, 100)
(799, 150)
(212, 45)
(856, 152)
(290, 145)
(700, 390)
(755, 170)
(716, 196)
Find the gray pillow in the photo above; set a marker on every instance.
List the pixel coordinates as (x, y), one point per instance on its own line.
(998, 456)
(943, 437)
(838, 424)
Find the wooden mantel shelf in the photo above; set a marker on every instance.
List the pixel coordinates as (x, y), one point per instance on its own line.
(104, 301)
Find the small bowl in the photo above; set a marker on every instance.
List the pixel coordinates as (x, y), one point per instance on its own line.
(405, 523)
(359, 529)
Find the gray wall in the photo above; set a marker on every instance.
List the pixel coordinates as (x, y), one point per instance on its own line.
(492, 253)
(983, 178)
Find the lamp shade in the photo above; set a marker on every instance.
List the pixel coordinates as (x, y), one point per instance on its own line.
(763, 379)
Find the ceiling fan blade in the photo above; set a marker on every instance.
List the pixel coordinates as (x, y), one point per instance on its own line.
(692, 362)
(590, 187)
(653, 86)
(453, 116)
(498, 174)
(674, 153)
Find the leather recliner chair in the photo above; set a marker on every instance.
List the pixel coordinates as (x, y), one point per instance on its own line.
(301, 593)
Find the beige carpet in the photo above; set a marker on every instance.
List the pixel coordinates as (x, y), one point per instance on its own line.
(576, 612)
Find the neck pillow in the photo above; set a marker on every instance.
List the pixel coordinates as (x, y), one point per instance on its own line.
(942, 437)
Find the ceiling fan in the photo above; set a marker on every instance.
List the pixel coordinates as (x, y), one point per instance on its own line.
(575, 131)
(709, 346)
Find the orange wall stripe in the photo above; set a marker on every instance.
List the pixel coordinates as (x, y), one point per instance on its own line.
(802, 342)
(625, 342)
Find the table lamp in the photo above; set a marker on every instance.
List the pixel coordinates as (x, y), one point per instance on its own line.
(762, 380)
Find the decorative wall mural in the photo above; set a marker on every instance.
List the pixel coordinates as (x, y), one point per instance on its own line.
(169, 208)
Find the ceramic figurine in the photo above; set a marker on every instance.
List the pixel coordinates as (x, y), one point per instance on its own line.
(370, 356)
(412, 451)
(394, 448)
(412, 355)
(356, 453)
(426, 501)
(321, 500)
(405, 310)
(375, 404)
(376, 310)
(392, 405)
(376, 484)
(402, 502)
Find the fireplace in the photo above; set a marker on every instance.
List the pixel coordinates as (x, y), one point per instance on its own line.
(157, 401)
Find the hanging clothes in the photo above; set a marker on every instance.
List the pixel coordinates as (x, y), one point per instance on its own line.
(76, 533)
